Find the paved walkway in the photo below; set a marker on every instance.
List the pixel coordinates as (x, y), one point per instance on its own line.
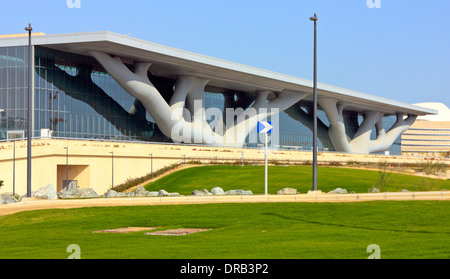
(133, 201)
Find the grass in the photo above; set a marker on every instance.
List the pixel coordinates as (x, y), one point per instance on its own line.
(299, 177)
(402, 229)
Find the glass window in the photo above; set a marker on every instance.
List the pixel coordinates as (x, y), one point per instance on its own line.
(75, 97)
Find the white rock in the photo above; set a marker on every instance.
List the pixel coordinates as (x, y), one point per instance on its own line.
(46, 193)
(217, 191)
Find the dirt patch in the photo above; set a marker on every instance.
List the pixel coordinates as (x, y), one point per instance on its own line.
(177, 232)
(127, 230)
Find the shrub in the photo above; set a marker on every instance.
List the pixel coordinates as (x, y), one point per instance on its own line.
(432, 167)
(425, 185)
(383, 175)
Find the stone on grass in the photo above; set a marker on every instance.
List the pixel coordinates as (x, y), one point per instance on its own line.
(163, 193)
(140, 192)
(338, 191)
(217, 191)
(244, 192)
(87, 193)
(46, 193)
(197, 193)
(238, 192)
(231, 192)
(287, 191)
(7, 199)
(203, 192)
(112, 194)
(78, 193)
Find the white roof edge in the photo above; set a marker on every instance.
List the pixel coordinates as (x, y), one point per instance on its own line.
(107, 36)
(95, 36)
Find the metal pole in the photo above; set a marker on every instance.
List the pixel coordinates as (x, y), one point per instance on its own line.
(14, 168)
(315, 106)
(151, 164)
(29, 112)
(67, 163)
(265, 167)
(242, 158)
(112, 169)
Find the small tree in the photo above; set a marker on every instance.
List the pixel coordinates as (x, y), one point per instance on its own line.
(383, 175)
(1, 183)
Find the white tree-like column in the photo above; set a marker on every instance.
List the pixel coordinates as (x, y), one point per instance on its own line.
(184, 118)
(360, 141)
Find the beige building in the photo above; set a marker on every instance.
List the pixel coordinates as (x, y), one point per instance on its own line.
(429, 135)
(92, 165)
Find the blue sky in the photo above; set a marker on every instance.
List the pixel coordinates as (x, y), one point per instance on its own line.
(399, 51)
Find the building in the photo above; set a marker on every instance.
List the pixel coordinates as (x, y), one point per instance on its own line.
(114, 88)
(430, 134)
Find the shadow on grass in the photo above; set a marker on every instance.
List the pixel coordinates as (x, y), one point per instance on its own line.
(351, 226)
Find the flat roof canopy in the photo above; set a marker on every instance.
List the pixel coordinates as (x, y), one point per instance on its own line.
(170, 62)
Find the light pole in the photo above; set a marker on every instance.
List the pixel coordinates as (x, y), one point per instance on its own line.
(29, 111)
(14, 167)
(314, 18)
(151, 164)
(67, 165)
(112, 169)
(265, 164)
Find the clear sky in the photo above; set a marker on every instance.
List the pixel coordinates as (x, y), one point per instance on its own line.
(399, 51)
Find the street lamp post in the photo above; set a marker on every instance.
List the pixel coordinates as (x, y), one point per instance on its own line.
(14, 167)
(151, 164)
(112, 169)
(67, 165)
(314, 18)
(29, 111)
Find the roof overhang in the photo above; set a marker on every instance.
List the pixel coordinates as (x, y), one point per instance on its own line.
(170, 62)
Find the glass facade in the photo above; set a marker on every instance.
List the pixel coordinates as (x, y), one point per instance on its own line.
(74, 97)
(13, 89)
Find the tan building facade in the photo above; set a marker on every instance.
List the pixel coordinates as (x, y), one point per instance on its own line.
(429, 135)
(428, 138)
(92, 165)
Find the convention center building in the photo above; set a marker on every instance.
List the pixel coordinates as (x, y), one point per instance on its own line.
(102, 97)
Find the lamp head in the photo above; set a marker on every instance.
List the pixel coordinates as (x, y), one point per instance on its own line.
(29, 28)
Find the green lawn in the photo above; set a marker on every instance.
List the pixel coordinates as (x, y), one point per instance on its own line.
(299, 177)
(402, 229)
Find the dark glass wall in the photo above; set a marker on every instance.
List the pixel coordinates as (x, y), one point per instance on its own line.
(13, 89)
(75, 98)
